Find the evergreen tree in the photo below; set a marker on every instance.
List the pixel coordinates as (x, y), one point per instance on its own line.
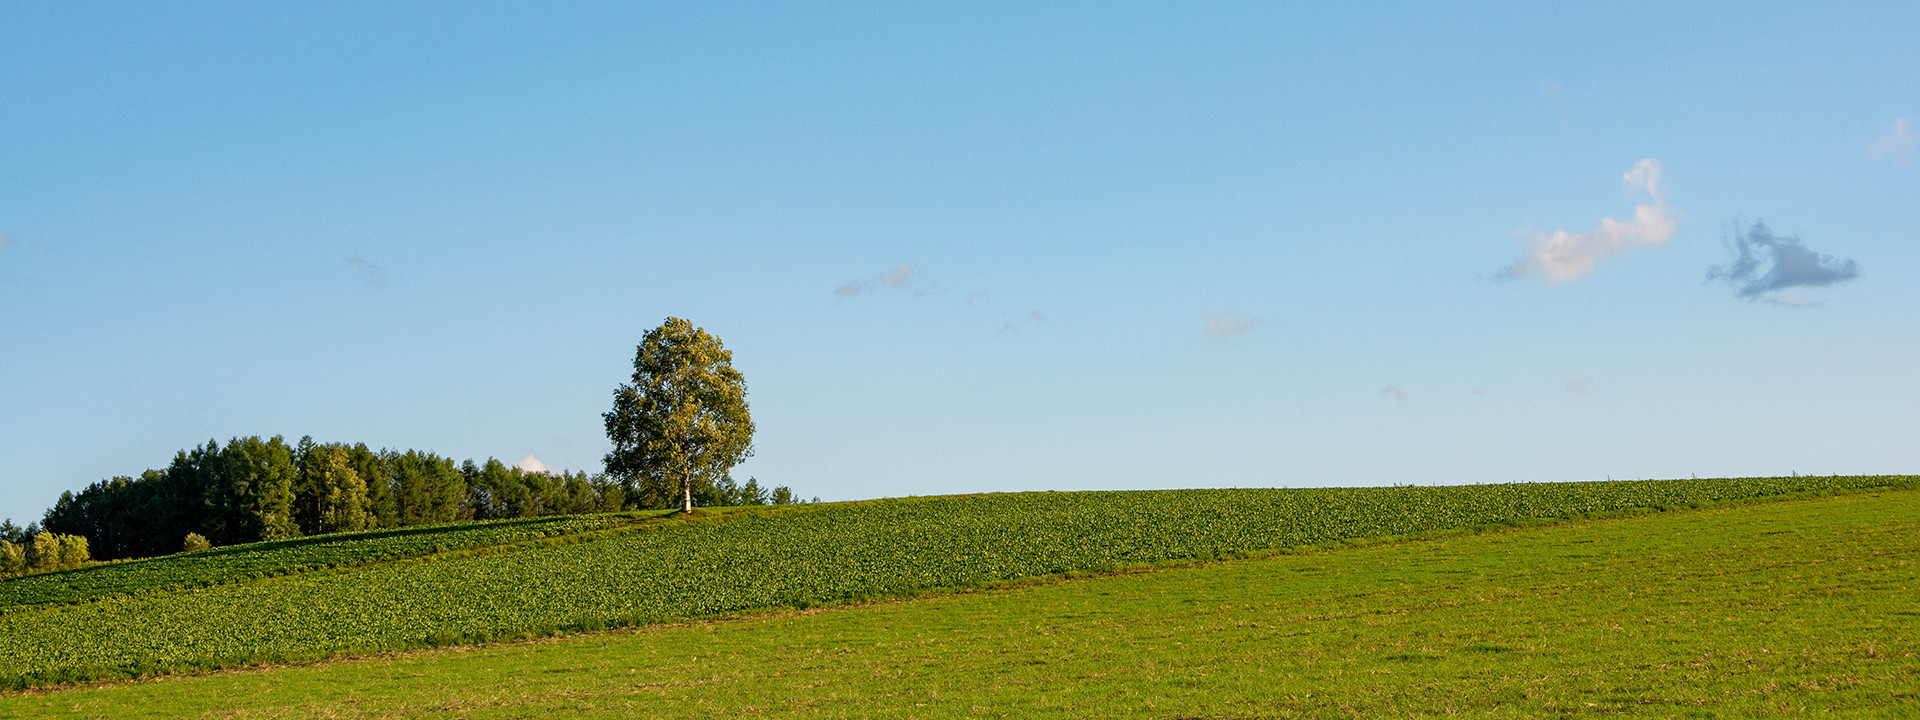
(427, 488)
(329, 495)
(383, 510)
(249, 486)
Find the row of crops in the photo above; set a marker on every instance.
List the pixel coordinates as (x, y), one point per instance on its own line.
(775, 560)
(241, 563)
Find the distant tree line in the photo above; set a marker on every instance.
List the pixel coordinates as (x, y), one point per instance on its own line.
(30, 549)
(257, 489)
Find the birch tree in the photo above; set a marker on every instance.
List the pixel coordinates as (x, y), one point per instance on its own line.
(682, 422)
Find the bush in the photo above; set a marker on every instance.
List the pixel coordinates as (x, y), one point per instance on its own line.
(194, 541)
(13, 559)
(44, 551)
(73, 551)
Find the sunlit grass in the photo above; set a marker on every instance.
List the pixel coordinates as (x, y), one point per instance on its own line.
(1801, 607)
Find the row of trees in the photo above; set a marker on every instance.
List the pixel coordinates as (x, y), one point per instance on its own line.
(677, 429)
(30, 549)
(256, 489)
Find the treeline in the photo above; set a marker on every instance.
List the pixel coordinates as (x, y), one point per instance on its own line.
(30, 549)
(257, 489)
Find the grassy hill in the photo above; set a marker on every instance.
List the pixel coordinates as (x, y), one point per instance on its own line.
(626, 572)
(1788, 608)
(256, 561)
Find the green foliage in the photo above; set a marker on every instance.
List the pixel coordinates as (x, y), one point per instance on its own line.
(1773, 610)
(330, 495)
(256, 489)
(13, 558)
(73, 551)
(194, 542)
(775, 559)
(240, 493)
(43, 552)
(727, 493)
(427, 488)
(683, 421)
(243, 563)
(495, 490)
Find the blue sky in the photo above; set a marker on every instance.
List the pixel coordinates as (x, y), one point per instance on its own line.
(979, 248)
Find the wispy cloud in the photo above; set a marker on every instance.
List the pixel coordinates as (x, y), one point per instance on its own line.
(6, 241)
(531, 463)
(1765, 265)
(1033, 319)
(1580, 386)
(974, 297)
(1563, 256)
(852, 289)
(371, 274)
(1896, 143)
(1230, 323)
(897, 278)
(1393, 392)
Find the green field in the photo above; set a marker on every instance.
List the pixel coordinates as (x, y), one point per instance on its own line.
(765, 560)
(1804, 607)
(242, 563)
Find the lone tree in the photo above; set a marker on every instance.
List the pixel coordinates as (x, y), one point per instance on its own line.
(683, 421)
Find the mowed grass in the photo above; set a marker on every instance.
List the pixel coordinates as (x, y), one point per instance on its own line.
(1804, 607)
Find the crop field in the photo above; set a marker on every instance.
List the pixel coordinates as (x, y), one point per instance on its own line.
(1777, 609)
(756, 561)
(241, 563)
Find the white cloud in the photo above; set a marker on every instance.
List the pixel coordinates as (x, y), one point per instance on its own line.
(1580, 386)
(1393, 392)
(1230, 323)
(531, 463)
(1563, 256)
(1896, 143)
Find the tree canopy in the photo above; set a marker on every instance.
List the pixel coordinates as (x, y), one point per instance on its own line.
(682, 422)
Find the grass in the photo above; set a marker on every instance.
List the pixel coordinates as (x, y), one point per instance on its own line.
(764, 560)
(1790, 608)
(752, 561)
(241, 563)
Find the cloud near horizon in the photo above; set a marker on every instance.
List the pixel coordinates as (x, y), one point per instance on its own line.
(1230, 323)
(1765, 265)
(1896, 143)
(531, 463)
(1563, 256)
